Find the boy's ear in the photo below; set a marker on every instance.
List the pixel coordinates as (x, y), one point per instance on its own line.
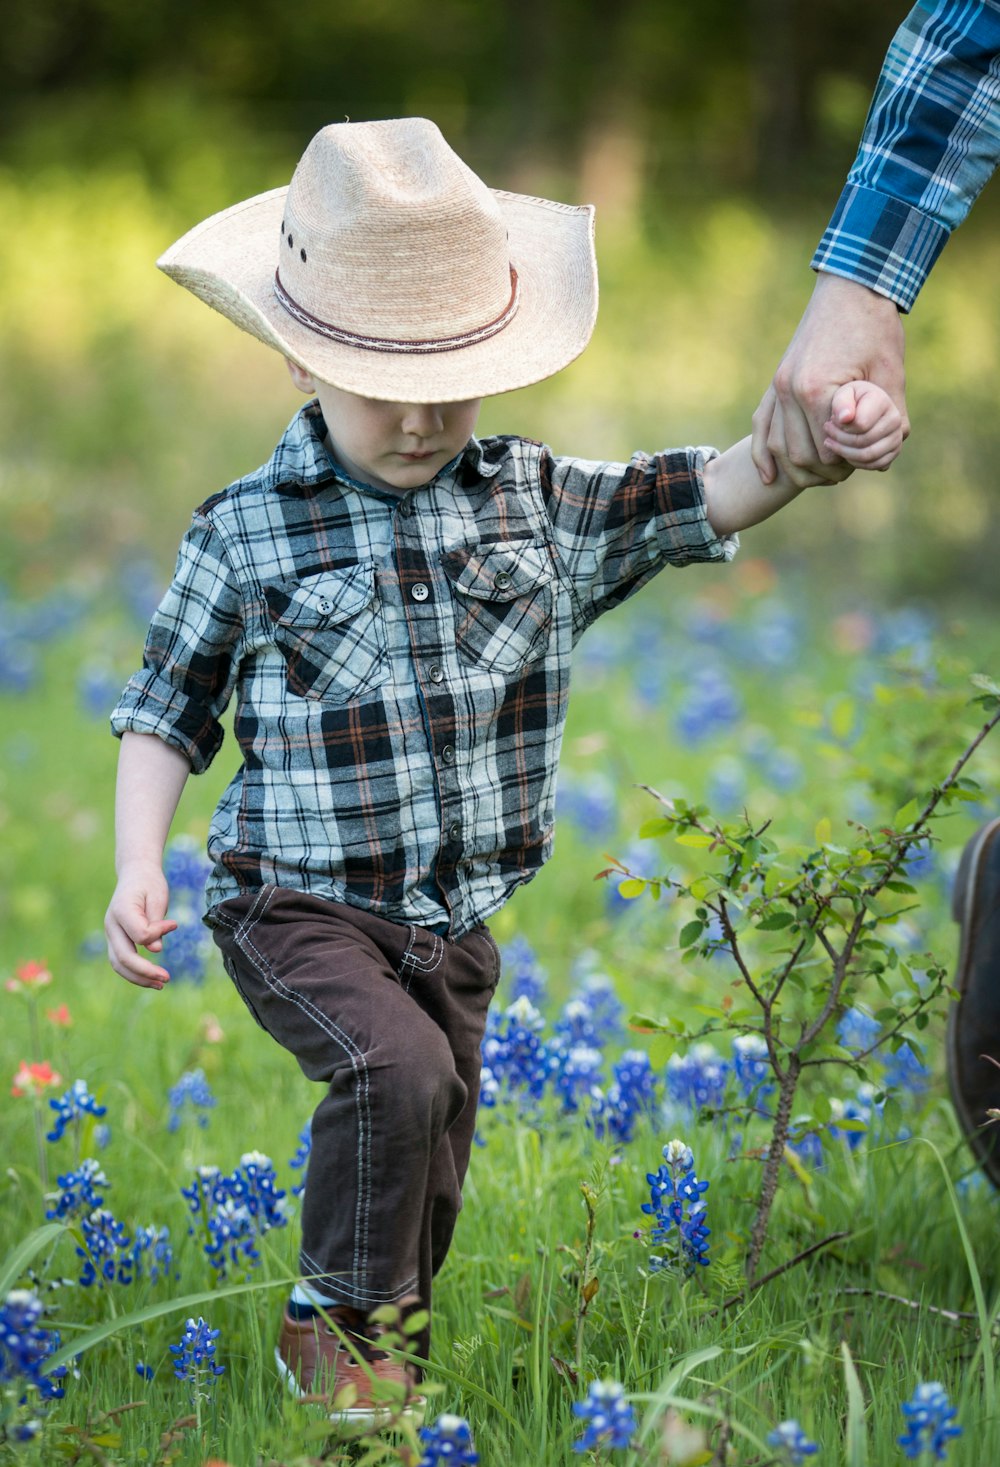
(302, 379)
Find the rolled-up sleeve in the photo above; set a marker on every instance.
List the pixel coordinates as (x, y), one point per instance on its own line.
(191, 654)
(616, 525)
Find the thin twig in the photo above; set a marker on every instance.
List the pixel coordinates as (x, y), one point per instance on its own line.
(953, 1316)
(767, 1278)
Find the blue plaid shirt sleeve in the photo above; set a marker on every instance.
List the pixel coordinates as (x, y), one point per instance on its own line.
(931, 141)
(191, 654)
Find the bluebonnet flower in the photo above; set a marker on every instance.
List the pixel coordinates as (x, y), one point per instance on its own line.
(588, 801)
(523, 975)
(632, 1093)
(772, 636)
(677, 1207)
(593, 1014)
(610, 1418)
(727, 784)
(234, 1212)
(579, 1075)
(106, 1247)
(448, 1439)
(791, 1443)
(191, 1094)
(186, 868)
(194, 1360)
(186, 950)
(78, 1191)
(73, 1106)
(709, 705)
(25, 1346)
(929, 1416)
(861, 1107)
(697, 1079)
(151, 1253)
(806, 1144)
(515, 1053)
(102, 1136)
(751, 1066)
(301, 1157)
(904, 1070)
(783, 770)
(98, 687)
(858, 1031)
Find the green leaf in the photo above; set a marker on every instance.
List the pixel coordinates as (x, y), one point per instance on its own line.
(824, 831)
(986, 684)
(857, 1433)
(632, 887)
(18, 1259)
(775, 921)
(690, 932)
(906, 815)
(842, 718)
(655, 825)
(695, 838)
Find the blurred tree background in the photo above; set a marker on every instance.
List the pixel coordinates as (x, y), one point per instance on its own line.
(713, 138)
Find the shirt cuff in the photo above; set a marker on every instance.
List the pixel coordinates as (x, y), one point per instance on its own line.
(880, 242)
(682, 529)
(150, 704)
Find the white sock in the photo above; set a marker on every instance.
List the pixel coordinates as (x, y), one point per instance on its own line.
(306, 1294)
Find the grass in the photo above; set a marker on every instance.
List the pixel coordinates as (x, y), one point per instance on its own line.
(98, 481)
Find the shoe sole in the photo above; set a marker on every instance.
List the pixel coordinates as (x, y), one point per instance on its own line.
(962, 903)
(363, 1418)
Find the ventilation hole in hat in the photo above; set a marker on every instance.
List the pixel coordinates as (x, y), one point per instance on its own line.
(302, 256)
(290, 241)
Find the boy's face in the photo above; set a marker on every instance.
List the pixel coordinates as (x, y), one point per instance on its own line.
(390, 445)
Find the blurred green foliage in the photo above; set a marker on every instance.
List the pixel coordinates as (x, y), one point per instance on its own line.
(712, 138)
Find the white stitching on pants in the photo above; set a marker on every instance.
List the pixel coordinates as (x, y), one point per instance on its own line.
(344, 1288)
(358, 1065)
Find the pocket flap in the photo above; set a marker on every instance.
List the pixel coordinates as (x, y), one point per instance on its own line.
(322, 600)
(498, 572)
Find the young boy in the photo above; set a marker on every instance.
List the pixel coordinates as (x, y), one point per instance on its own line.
(394, 604)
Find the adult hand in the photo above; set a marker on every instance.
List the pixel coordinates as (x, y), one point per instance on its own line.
(847, 333)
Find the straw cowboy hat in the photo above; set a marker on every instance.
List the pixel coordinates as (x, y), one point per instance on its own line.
(389, 269)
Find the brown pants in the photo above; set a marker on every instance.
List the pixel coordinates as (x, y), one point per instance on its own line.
(390, 1018)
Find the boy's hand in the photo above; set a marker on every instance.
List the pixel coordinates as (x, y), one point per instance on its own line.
(137, 918)
(865, 426)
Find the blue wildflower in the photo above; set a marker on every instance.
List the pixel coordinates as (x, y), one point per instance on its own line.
(858, 1031)
(195, 1358)
(727, 784)
(579, 1075)
(610, 1418)
(514, 1051)
(588, 802)
(677, 1207)
(98, 686)
(904, 1070)
(24, 1346)
(235, 1211)
(73, 1106)
(634, 1092)
(751, 1066)
(791, 1443)
(186, 868)
(593, 1014)
(78, 1191)
(929, 1416)
(710, 704)
(523, 975)
(191, 1095)
(697, 1079)
(448, 1439)
(301, 1157)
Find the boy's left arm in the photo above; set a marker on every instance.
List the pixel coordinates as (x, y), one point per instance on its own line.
(865, 427)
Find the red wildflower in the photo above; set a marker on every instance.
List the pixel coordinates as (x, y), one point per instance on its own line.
(32, 1079)
(27, 977)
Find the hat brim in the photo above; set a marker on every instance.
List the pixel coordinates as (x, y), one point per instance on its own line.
(229, 261)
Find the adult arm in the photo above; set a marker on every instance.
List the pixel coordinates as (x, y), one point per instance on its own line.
(931, 141)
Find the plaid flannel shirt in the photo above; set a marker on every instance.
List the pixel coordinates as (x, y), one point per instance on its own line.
(401, 664)
(931, 141)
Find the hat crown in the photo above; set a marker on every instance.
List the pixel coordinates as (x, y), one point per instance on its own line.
(387, 233)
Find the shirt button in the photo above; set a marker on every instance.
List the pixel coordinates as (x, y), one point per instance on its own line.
(436, 674)
(448, 754)
(325, 606)
(502, 580)
(419, 592)
(454, 830)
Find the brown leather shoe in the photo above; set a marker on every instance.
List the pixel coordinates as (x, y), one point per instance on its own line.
(365, 1386)
(973, 1039)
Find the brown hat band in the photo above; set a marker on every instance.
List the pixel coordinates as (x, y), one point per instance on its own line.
(378, 343)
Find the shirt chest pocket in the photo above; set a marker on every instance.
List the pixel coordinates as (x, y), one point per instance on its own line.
(330, 631)
(503, 603)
